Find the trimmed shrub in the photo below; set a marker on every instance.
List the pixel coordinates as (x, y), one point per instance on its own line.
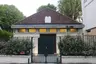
(71, 45)
(16, 47)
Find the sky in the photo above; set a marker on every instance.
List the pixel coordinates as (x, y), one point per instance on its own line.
(28, 7)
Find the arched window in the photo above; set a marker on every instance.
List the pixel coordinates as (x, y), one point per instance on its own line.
(47, 19)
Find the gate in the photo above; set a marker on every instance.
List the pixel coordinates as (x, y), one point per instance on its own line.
(47, 41)
(51, 58)
(46, 49)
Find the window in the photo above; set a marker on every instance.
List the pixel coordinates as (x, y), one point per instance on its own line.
(73, 30)
(47, 19)
(32, 30)
(52, 30)
(22, 30)
(63, 30)
(42, 30)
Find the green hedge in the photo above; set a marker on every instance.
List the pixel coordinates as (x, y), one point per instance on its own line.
(72, 45)
(75, 46)
(16, 46)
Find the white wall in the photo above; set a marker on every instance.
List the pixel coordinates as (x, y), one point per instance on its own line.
(89, 13)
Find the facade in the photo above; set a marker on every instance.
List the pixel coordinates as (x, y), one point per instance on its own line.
(46, 27)
(89, 13)
(91, 31)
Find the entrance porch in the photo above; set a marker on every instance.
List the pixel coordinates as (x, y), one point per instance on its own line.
(41, 41)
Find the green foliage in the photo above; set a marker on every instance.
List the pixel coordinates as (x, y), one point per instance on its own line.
(2, 46)
(94, 48)
(15, 46)
(71, 45)
(74, 45)
(71, 8)
(46, 6)
(90, 49)
(5, 35)
(9, 15)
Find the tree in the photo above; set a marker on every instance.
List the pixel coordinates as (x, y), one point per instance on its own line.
(51, 6)
(5, 35)
(9, 15)
(71, 8)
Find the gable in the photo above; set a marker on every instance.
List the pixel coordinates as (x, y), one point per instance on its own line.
(39, 18)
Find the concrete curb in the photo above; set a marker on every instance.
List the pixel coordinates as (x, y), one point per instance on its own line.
(78, 56)
(79, 59)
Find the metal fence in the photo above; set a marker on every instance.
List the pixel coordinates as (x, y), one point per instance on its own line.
(40, 58)
(86, 45)
(15, 46)
(90, 41)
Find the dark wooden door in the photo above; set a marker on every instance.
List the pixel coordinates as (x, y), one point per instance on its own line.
(49, 41)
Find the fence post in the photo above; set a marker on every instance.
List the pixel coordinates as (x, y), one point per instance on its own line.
(60, 52)
(28, 61)
(31, 49)
(57, 61)
(60, 57)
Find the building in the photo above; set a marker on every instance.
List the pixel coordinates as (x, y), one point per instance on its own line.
(89, 13)
(91, 31)
(46, 27)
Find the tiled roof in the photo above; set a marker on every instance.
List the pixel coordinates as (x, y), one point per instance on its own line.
(56, 18)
